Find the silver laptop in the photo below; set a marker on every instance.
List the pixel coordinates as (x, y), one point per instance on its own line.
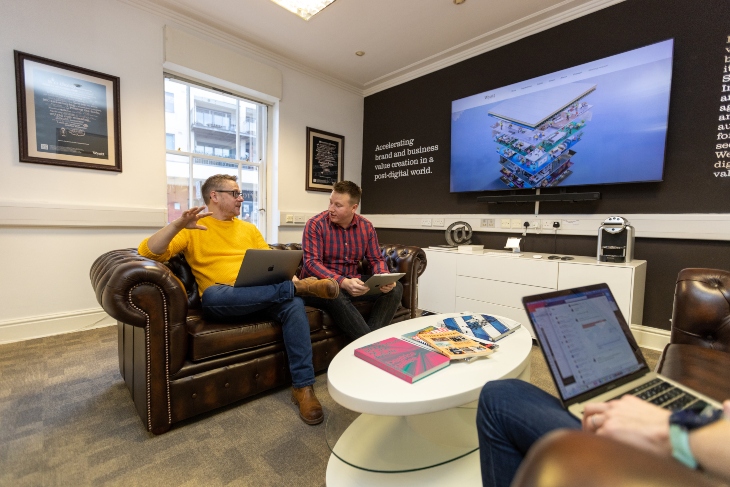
(592, 355)
(264, 267)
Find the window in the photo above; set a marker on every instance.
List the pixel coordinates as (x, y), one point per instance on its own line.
(169, 102)
(214, 133)
(212, 118)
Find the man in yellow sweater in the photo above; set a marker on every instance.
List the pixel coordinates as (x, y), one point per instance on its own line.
(214, 244)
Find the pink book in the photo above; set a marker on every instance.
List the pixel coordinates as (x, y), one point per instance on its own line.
(402, 359)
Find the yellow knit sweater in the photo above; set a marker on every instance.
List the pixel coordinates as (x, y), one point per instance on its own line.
(214, 255)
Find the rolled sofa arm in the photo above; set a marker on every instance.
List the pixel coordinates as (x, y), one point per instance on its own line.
(118, 278)
(411, 260)
(143, 293)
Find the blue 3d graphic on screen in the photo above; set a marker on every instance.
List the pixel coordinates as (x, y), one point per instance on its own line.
(604, 122)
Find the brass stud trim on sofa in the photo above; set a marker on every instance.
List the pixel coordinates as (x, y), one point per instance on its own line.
(147, 351)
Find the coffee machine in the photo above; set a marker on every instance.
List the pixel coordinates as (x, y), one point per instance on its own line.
(615, 240)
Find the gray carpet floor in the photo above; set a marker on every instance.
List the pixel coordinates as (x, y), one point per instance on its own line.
(67, 419)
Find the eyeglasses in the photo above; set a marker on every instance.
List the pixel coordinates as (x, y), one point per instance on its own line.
(233, 193)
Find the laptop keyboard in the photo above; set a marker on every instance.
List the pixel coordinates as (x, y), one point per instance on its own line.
(666, 395)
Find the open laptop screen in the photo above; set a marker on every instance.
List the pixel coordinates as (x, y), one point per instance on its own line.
(584, 337)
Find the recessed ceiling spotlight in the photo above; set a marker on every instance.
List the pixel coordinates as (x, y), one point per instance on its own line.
(459, 2)
(306, 9)
(360, 53)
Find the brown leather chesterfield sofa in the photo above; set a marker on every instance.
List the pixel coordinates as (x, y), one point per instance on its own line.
(177, 365)
(698, 356)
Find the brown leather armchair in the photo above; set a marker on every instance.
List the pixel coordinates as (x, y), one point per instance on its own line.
(177, 365)
(567, 458)
(698, 356)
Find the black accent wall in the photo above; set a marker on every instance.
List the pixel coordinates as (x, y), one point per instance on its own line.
(421, 109)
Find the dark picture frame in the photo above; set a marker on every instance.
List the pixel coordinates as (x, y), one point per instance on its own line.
(325, 159)
(67, 115)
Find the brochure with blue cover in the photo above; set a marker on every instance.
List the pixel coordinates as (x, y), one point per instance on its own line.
(485, 327)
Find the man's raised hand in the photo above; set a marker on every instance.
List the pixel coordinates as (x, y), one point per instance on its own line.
(189, 218)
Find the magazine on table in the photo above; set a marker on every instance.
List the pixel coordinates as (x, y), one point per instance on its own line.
(420, 353)
(481, 326)
(456, 345)
(414, 338)
(402, 358)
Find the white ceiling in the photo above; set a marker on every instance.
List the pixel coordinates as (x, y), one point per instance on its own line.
(402, 39)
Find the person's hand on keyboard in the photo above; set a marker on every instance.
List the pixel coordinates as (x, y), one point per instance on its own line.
(630, 420)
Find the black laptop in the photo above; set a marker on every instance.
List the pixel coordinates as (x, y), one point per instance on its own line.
(592, 355)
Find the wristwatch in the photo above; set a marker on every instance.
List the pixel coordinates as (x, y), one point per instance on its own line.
(681, 423)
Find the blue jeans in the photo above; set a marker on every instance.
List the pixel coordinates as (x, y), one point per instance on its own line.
(512, 415)
(276, 302)
(349, 319)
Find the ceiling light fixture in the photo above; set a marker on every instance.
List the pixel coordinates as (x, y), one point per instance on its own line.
(459, 2)
(306, 9)
(360, 53)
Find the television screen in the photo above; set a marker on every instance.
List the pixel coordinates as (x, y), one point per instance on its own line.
(603, 122)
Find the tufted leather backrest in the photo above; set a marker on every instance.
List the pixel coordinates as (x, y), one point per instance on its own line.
(701, 314)
(390, 255)
(180, 267)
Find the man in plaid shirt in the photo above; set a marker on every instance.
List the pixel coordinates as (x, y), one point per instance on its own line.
(334, 242)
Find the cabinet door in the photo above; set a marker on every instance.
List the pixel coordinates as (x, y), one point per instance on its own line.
(518, 270)
(619, 280)
(437, 285)
(496, 292)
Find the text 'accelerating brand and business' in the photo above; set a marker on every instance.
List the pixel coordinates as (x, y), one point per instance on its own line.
(403, 160)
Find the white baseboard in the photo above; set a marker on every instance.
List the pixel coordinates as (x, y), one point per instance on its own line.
(651, 338)
(55, 324)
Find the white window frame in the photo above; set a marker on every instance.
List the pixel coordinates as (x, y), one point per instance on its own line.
(263, 125)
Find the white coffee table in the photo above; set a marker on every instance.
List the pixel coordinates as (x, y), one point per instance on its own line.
(421, 433)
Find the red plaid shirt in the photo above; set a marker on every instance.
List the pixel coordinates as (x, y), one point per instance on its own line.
(333, 251)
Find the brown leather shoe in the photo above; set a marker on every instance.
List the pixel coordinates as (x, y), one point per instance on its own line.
(317, 288)
(310, 410)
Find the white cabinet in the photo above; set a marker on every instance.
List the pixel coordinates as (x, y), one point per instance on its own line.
(437, 284)
(626, 282)
(496, 282)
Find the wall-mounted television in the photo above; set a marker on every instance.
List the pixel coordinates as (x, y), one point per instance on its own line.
(603, 122)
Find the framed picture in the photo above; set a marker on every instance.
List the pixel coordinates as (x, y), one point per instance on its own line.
(325, 159)
(67, 116)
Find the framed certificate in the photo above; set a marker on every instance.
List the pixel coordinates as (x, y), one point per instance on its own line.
(325, 158)
(67, 115)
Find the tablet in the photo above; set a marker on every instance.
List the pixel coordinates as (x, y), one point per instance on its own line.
(378, 280)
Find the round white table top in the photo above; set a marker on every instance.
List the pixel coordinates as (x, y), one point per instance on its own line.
(362, 387)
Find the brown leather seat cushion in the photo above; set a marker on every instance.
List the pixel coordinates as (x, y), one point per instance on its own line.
(697, 367)
(212, 339)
